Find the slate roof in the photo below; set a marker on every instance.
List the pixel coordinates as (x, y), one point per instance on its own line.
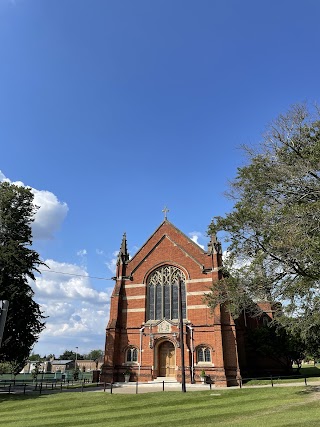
(61, 362)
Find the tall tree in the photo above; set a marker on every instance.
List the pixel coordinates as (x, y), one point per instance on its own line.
(274, 228)
(35, 357)
(278, 345)
(18, 262)
(70, 355)
(94, 354)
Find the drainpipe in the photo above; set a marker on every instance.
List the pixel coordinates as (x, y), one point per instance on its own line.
(192, 354)
(140, 349)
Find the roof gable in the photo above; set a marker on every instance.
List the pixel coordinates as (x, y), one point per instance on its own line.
(167, 230)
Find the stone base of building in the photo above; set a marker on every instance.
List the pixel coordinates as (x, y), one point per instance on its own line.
(218, 377)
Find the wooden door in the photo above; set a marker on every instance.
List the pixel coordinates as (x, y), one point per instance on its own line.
(167, 360)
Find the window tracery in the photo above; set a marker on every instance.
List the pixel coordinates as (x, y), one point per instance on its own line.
(203, 354)
(132, 354)
(163, 293)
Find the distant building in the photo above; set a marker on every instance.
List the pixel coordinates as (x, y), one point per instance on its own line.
(89, 365)
(61, 365)
(57, 365)
(30, 366)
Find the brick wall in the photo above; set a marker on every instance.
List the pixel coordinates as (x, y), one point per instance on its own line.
(168, 246)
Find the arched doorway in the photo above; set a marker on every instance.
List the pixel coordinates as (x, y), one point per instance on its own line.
(167, 359)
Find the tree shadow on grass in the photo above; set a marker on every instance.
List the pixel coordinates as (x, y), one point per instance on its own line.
(5, 397)
(310, 390)
(18, 395)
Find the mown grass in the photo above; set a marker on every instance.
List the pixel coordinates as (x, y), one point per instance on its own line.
(310, 370)
(287, 406)
(312, 373)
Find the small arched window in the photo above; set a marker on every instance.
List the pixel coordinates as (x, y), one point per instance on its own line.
(163, 293)
(132, 355)
(203, 354)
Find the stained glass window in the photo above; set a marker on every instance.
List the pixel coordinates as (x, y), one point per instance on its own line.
(174, 290)
(151, 306)
(163, 293)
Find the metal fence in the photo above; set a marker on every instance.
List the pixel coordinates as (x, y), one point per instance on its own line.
(22, 387)
(17, 386)
(47, 376)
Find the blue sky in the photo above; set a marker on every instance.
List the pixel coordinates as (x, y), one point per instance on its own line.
(110, 110)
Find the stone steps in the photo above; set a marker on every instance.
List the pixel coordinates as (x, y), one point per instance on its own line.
(164, 379)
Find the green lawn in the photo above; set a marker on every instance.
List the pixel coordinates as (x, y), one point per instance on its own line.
(312, 373)
(286, 406)
(310, 370)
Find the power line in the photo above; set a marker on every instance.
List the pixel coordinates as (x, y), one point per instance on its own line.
(77, 275)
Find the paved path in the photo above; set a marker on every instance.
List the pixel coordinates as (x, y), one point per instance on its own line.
(121, 388)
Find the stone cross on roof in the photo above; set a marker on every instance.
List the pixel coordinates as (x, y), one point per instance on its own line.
(165, 210)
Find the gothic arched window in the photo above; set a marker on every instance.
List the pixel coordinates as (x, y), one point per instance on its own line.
(163, 293)
(132, 354)
(203, 354)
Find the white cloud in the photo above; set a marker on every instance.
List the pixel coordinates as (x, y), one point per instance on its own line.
(238, 262)
(112, 263)
(82, 252)
(195, 236)
(78, 312)
(72, 282)
(49, 216)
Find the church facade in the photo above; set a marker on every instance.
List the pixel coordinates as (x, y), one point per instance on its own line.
(144, 335)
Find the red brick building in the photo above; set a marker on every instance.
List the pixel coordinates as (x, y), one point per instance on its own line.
(143, 333)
